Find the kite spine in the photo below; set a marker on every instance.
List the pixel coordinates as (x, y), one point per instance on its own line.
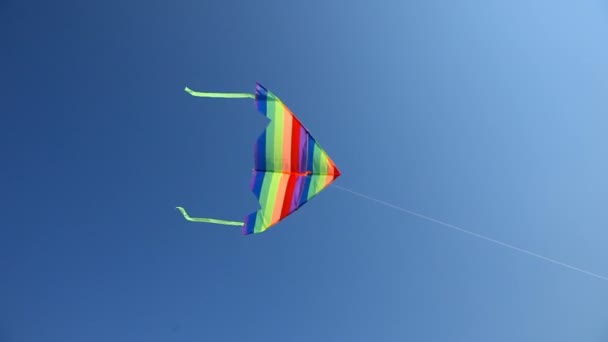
(209, 220)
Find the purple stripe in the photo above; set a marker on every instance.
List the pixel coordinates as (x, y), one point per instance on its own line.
(295, 199)
(302, 149)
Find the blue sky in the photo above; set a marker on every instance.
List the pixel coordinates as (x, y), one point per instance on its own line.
(488, 115)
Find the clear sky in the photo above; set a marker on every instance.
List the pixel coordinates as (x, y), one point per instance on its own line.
(490, 115)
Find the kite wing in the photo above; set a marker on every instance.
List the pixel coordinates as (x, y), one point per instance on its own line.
(290, 166)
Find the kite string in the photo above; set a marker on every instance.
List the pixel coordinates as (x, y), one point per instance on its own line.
(471, 233)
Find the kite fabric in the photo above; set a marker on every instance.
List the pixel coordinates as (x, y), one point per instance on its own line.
(290, 166)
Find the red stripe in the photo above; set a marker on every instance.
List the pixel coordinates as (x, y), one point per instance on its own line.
(332, 169)
(295, 145)
(291, 185)
(295, 167)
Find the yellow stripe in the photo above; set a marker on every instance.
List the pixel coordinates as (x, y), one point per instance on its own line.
(280, 199)
(274, 180)
(270, 134)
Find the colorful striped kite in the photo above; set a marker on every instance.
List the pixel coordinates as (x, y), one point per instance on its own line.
(290, 166)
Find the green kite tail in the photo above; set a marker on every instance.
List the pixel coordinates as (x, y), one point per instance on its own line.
(220, 95)
(225, 96)
(208, 220)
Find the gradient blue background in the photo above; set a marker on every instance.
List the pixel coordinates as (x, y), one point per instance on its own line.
(490, 115)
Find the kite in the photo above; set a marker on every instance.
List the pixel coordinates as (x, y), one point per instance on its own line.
(290, 167)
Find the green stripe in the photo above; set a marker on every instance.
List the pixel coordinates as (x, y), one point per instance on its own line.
(263, 200)
(270, 185)
(271, 201)
(270, 134)
(322, 159)
(319, 160)
(279, 128)
(316, 185)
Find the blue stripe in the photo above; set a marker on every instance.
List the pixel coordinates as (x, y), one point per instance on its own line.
(261, 95)
(249, 223)
(260, 146)
(310, 153)
(260, 101)
(304, 193)
(257, 183)
(259, 89)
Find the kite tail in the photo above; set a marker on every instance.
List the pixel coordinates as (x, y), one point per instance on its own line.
(220, 95)
(208, 220)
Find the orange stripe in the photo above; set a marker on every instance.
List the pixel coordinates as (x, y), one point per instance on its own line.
(331, 171)
(280, 200)
(330, 167)
(328, 179)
